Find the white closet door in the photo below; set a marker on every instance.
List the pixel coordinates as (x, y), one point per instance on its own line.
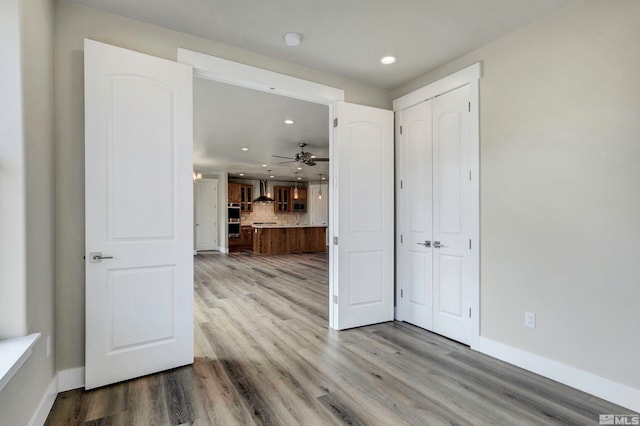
(415, 265)
(452, 215)
(435, 267)
(139, 214)
(207, 214)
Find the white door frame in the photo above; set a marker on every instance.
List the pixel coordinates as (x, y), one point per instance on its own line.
(237, 74)
(470, 76)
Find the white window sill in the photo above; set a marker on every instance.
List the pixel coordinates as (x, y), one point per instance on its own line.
(13, 353)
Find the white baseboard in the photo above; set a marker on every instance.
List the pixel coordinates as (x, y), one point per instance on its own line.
(72, 378)
(223, 250)
(609, 390)
(46, 403)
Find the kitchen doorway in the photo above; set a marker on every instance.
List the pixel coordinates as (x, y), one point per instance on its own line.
(228, 118)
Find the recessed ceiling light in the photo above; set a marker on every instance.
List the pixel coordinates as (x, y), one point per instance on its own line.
(264, 165)
(241, 174)
(387, 60)
(293, 39)
(299, 178)
(288, 121)
(324, 178)
(245, 149)
(272, 176)
(299, 168)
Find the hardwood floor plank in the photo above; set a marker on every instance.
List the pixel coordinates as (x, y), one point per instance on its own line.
(179, 399)
(217, 401)
(265, 356)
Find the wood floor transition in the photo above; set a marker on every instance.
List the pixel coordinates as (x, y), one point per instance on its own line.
(265, 356)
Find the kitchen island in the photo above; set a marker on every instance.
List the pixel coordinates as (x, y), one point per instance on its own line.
(282, 239)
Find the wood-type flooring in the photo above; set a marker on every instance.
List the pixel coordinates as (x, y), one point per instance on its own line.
(265, 356)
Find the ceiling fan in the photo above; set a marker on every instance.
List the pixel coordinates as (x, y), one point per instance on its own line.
(303, 156)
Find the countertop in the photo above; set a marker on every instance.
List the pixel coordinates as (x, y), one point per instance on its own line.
(288, 226)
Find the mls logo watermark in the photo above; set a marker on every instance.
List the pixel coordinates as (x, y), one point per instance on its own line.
(620, 419)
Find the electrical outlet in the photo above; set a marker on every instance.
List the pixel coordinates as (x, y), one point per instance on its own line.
(48, 346)
(530, 319)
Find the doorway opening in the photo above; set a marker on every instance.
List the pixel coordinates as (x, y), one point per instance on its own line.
(240, 137)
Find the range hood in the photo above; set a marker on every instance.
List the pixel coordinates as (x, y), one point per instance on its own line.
(263, 199)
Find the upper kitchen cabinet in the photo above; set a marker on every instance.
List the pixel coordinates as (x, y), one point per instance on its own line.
(285, 202)
(246, 197)
(282, 199)
(233, 193)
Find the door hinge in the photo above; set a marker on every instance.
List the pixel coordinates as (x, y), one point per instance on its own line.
(401, 293)
(401, 129)
(335, 299)
(335, 122)
(401, 239)
(469, 312)
(335, 241)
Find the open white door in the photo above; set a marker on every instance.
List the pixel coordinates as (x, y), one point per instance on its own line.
(363, 169)
(139, 214)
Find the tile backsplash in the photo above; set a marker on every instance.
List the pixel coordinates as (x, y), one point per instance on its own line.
(265, 213)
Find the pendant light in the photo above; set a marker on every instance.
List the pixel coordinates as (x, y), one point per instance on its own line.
(320, 192)
(296, 195)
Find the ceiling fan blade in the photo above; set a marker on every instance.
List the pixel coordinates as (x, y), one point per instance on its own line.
(287, 162)
(319, 159)
(288, 158)
(309, 163)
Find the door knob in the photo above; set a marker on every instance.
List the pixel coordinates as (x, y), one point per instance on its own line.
(438, 244)
(97, 257)
(426, 244)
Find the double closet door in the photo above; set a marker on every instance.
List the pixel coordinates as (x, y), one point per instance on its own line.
(434, 215)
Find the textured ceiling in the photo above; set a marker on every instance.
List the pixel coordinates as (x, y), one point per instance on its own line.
(344, 37)
(228, 118)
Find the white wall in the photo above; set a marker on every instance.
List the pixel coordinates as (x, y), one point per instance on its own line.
(74, 23)
(13, 308)
(560, 186)
(31, 243)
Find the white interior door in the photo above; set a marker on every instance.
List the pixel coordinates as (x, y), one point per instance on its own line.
(415, 266)
(139, 214)
(435, 268)
(207, 214)
(452, 215)
(364, 171)
(318, 205)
